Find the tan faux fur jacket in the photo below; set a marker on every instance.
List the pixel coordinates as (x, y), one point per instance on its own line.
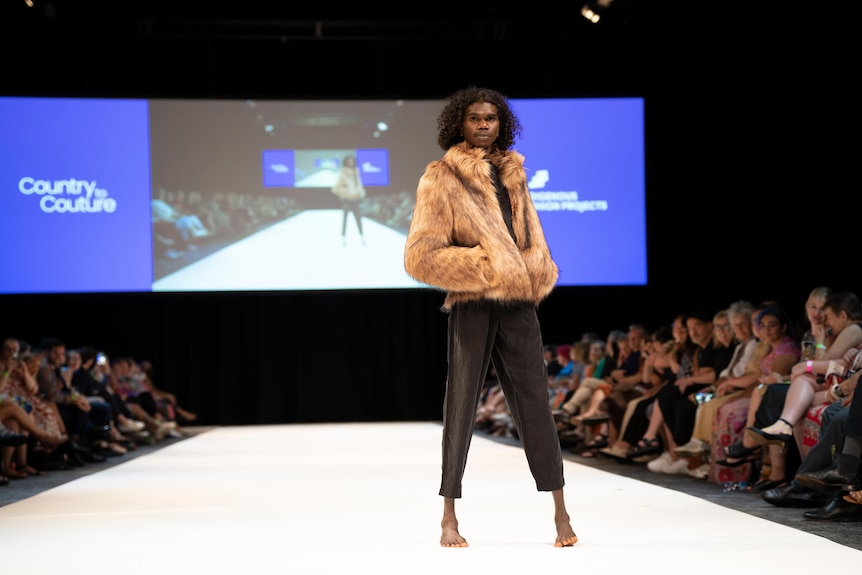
(458, 240)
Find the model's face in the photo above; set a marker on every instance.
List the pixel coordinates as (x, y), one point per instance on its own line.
(481, 125)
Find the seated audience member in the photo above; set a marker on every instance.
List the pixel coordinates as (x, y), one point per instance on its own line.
(166, 401)
(766, 406)
(551, 364)
(805, 395)
(841, 478)
(783, 353)
(54, 379)
(566, 363)
(820, 457)
(843, 312)
(116, 418)
(20, 387)
(676, 404)
(596, 392)
(130, 384)
(660, 365)
(18, 430)
(733, 328)
(650, 443)
(625, 385)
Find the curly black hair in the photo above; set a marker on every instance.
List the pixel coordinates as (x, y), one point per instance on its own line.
(452, 117)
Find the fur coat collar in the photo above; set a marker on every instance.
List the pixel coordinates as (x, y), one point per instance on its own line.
(458, 241)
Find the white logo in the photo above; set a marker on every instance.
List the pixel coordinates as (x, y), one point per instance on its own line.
(68, 196)
(370, 168)
(539, 179)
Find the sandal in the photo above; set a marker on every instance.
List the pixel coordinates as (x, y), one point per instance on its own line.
(737, 454)
(599, 441)
(646, 447)
(772, 434)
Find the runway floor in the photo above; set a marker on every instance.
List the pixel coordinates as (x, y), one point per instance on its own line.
(362, 498)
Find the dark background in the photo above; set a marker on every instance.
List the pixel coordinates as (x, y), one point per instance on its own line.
(750, 193)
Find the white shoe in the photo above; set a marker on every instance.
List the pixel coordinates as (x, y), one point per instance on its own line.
(131, 426)
(692, 448)
(658, 464)
(678, 467)
(699, 472)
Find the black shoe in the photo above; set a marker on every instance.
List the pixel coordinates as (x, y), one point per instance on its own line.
(828, 480)
(794, 494)
(92, 456)
(763, 438)
(737, 454)
(9, 438)
(766, 484)
(836, 510)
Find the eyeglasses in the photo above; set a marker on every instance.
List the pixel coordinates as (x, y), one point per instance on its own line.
(722, 326)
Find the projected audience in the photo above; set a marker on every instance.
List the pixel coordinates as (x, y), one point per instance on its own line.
(174, 229)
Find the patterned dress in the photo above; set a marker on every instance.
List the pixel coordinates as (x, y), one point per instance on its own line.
(44, 415)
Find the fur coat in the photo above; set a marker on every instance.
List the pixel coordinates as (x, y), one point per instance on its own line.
(349, 186)
(459, 242)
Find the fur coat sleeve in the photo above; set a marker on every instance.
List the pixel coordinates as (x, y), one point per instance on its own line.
(459, 242)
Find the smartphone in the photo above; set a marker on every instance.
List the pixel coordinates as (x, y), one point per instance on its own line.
(101, 359)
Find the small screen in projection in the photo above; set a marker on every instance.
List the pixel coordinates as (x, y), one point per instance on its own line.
(240, 195)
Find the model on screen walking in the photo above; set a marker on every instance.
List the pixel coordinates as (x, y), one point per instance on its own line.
(349, 189)
(475, 234)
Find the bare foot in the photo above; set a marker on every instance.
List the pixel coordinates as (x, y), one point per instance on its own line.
(450, 536)
(565, 534)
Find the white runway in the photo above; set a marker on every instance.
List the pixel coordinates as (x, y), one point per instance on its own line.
(362, 498)
(304, 252)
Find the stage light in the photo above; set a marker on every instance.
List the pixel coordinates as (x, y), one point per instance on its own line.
(594, 9)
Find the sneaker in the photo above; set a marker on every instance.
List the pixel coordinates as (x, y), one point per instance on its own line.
(692, 448)
(658, 464)
(131, 426)
(699, 472)
(678, 467)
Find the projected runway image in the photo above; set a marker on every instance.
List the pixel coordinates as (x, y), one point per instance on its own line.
(305, 251)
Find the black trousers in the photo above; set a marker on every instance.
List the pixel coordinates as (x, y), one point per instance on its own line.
(678, 410)
(508, 336)
(854, 422)
(350, 207)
